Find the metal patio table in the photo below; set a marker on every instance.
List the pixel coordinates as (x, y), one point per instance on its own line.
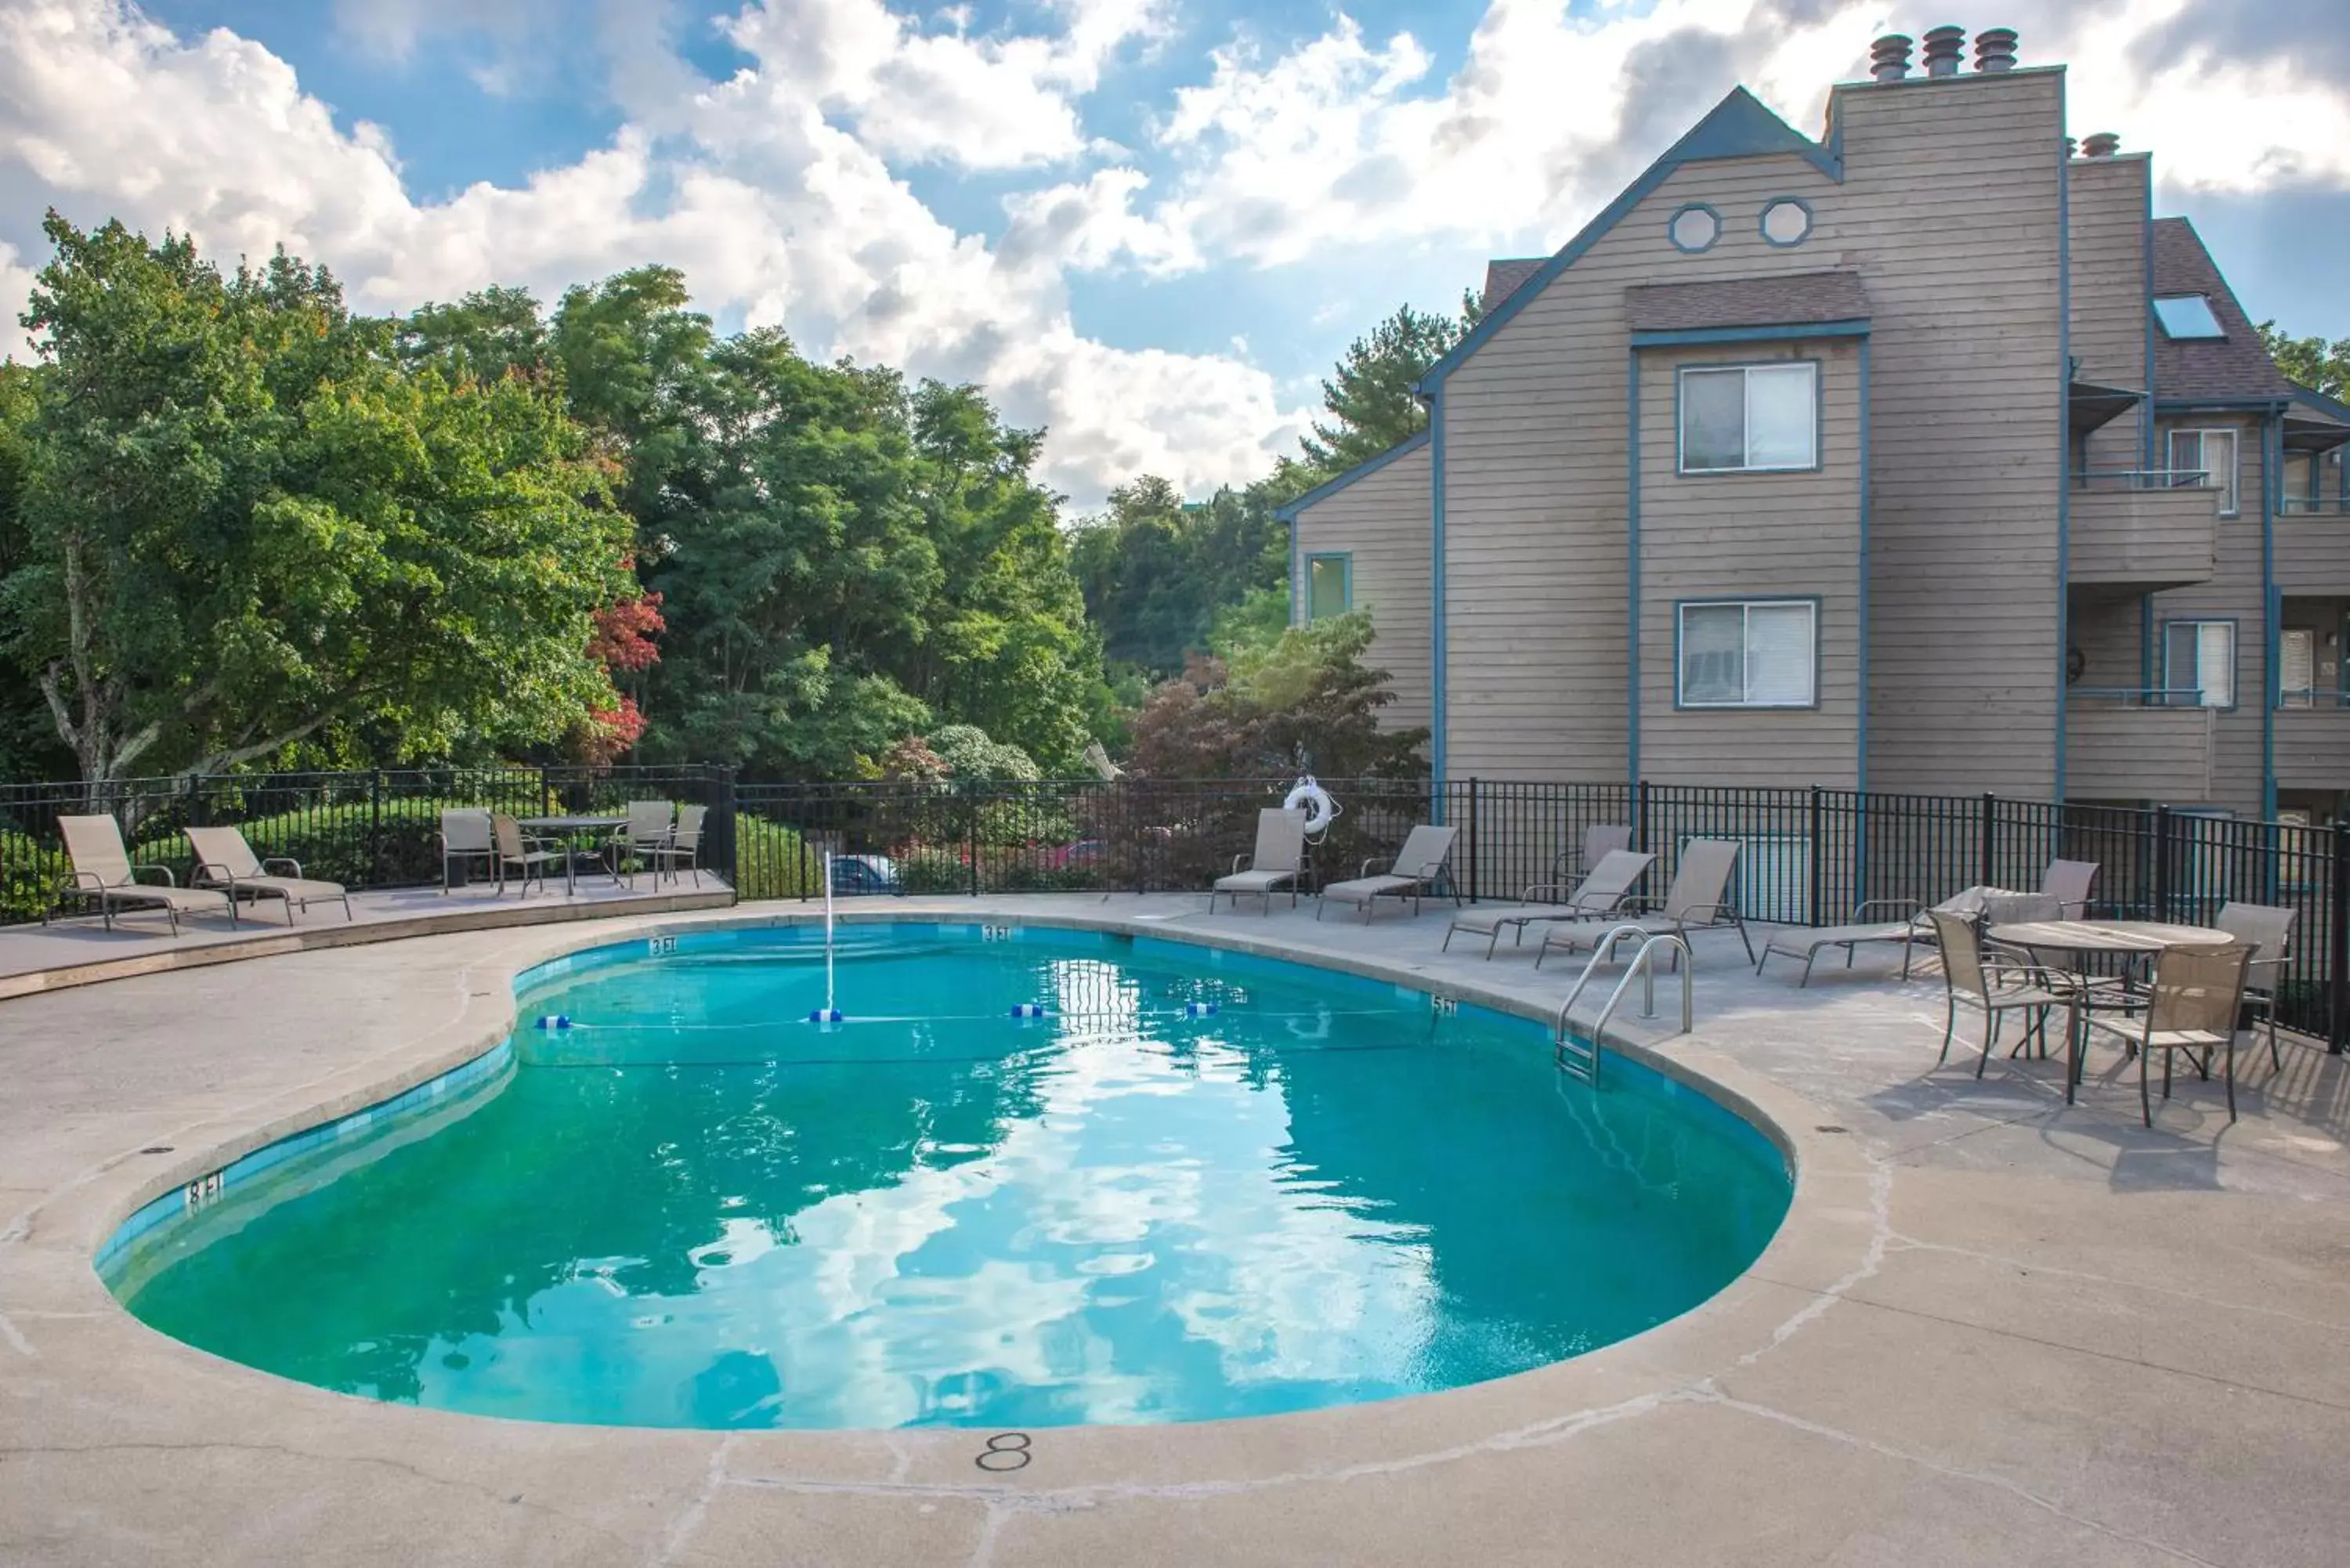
(2079, 937)
(568, 828)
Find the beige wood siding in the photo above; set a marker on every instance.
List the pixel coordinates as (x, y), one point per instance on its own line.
(2312, 749)
(2106, 627)
(1382, 521)
(2109, 218)
(2313, 553)
(2118, 754)
(1753, 536)
(1951, 207)
(2151, 538)
(2232, 594)
(1536, 485)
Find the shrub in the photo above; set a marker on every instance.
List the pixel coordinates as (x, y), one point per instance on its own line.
(773, 861)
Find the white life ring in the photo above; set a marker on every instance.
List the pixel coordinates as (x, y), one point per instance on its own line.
(1315, 801)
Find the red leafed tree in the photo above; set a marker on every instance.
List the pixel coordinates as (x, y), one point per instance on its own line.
(623, 643)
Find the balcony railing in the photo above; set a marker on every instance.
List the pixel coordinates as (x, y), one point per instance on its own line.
(2141, 477)
(2312, 697)
(2127, 743)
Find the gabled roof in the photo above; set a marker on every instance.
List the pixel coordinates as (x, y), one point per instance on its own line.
(1363, 470)
(1740, 126)
(1786, 300)
(1502, 277)
(2234, 368)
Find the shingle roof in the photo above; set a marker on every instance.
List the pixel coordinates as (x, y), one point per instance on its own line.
(2216, 369)
(1791, 298)
(1502, 277)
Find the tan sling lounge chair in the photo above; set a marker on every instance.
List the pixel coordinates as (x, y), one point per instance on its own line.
(225, 860)
(102, 871)
(1426, 856)
(1806, 942)
(1279, 857)
(1599, 895)
(1698, 900)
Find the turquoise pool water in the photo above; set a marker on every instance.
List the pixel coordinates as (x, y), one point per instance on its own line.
(1202, 1186)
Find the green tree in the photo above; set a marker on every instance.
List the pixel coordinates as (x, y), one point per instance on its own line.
(1370, 398)
(1155, 572)
(2313, 362)
(1305, 700)
(245, 521)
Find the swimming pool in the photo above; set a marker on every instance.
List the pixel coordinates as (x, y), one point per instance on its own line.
(1198, 1185)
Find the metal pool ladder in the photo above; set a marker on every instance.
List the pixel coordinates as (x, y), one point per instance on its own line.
(1581, 1061)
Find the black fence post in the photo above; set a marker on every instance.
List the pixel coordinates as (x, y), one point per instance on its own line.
(1990, 846)
(970, 838)
(1640, 817)
(1472, 839)
(2160, 891)
(375, 824)
(1817, 858)
(2338, 977)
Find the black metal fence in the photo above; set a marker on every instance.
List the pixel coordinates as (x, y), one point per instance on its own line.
(1808, 856)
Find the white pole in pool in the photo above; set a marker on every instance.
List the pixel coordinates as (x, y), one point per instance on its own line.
(827, 934)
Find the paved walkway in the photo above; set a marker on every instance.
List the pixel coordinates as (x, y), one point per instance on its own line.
(1993, 1330)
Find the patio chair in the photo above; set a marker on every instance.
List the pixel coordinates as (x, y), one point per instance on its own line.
(1699, 899)
(1277, 861)
(2268, 931)
(2197, 995)
(1999, 983)
(643, 835)
(1425, 859)
(1807, 941)
(465, 837)
(102, 871)
(684, 846)
(1598, 896)
(2068, 882)
(225, 860)
(517, 848)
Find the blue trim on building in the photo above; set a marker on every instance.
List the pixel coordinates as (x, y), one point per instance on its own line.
(2221, 405)
(1347, 561)
(1632, 566)
(1673, 337)
(2146, 414)
(1438, 715)
(2333, 407)
(1737, 127)
(1674, 222)
(1819, 416)
(2063, 434)
(2235, 658)
(1860, 656)
(1762, 215)
(2272, 602)
(1363, 470)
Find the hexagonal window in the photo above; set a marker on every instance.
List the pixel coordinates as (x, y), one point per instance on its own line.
(1786, 221)
(1694, 228)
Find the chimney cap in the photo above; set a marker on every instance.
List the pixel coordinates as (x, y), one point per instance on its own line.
(2104, 144)
(1944, 45)
(1995, 50)
(1888, 57)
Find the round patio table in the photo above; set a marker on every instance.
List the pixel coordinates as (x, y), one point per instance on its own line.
(2079, 937)
(569, 829)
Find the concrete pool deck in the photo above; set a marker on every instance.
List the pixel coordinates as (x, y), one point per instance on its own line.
(1994, 1328)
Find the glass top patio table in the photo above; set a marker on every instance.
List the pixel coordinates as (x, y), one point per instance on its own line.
(2106, 936)
(570, 826)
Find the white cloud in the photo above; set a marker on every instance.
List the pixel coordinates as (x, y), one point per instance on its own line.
(767, 205)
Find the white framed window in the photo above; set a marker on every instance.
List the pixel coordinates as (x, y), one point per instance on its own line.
(1739, 418)
(1329, 585)
(1748, 653)
(2199, 664)
(2208, 457)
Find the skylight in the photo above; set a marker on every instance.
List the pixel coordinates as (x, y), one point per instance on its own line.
(2187, 316)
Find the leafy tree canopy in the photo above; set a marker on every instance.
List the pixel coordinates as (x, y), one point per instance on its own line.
(1370, 398)
(2314, 363)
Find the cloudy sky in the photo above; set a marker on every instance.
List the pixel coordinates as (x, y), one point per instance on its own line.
(1149, 224)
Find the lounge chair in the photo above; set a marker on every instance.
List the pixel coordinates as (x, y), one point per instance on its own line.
(225, 860)
(517, 848)
(641, 837)
(465, 837)
(1425, 859)
(1806, 942)
(1598, 896)
(102, 871)
(1699, 899)
(1278, 860)
(2197, 995)
(684, 846)
(2268, 931)
(1600, 840)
